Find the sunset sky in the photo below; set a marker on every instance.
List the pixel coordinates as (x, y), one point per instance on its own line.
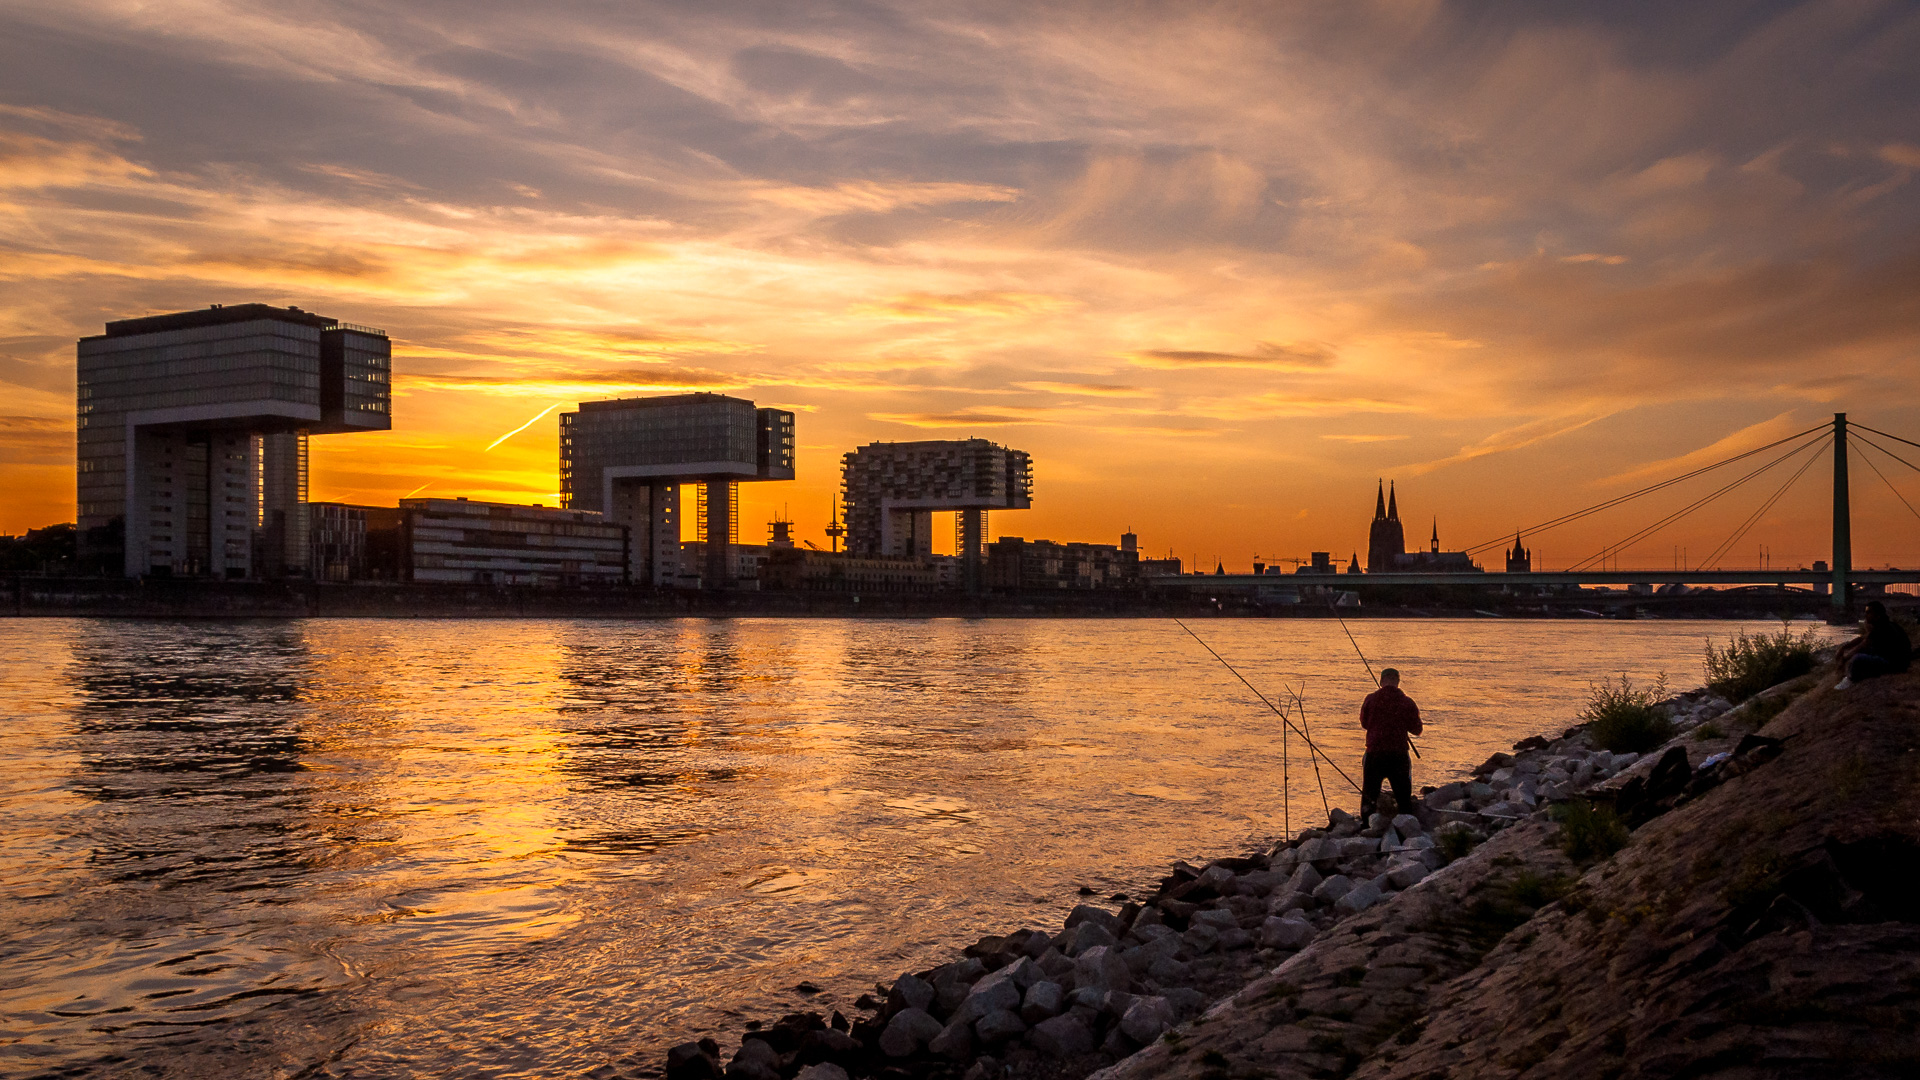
(1217, 267)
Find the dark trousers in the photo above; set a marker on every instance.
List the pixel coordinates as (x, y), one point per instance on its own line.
(1866, 666)
(1396, 769)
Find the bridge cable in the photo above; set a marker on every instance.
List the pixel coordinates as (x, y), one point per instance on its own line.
(1642, 534)
(1886, 451)
(1614, 549)
(1610, 503)
(1883, 434)
(1889, 483)
(1263, 698)
(1754, 518)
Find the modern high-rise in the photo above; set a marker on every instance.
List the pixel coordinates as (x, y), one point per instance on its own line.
(627, 458)
(192, 444)
(892, 491)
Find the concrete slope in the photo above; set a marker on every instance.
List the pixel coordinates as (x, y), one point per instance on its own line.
(1768, 925)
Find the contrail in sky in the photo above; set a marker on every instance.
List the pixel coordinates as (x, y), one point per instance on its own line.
(524, 426)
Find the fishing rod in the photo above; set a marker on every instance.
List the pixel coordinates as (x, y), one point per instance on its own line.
(1301, 704)
(1263, 699)
(1331, 606)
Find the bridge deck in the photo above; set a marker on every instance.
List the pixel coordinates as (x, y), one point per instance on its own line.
(1494, 580)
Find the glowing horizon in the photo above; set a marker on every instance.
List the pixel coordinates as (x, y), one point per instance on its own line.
(1217, 270)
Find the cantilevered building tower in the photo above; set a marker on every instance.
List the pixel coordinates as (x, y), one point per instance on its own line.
(893, 489)
(628, 457)
(192, 445)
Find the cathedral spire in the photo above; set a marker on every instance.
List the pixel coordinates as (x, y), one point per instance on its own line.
(1436, 536)
(1393, 505)
(1380, 501)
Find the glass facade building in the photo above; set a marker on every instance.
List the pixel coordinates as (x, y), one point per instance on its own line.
(627, 458)
(892, 491)
(192, 435)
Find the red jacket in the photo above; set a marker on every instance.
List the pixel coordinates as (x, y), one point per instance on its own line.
(1389, 717)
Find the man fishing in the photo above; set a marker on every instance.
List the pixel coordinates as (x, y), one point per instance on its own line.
(1389, 716)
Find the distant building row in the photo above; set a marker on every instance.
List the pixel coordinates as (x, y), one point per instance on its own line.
(192, 462)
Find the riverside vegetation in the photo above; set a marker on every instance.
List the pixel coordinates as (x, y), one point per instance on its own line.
(1741, 900)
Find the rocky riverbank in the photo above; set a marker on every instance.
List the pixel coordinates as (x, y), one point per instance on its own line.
(1759, 915)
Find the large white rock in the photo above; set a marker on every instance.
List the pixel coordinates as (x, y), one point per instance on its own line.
(1407, 826)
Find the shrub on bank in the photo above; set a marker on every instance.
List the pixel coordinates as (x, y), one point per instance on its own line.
(1589, 833)
(1749, 663)
(1627, 719)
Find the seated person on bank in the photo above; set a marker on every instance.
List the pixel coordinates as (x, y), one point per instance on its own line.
(1881, 649)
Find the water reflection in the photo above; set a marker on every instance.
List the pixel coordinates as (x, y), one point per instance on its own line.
(546, 847)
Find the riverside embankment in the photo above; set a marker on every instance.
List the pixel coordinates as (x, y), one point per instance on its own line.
(1758, 919)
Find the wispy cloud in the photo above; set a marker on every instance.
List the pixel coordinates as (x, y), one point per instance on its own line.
(1297, 357)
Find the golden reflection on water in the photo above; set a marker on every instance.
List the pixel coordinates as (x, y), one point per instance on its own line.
(542, 847)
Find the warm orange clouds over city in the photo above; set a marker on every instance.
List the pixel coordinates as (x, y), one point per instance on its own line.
(1217, 267)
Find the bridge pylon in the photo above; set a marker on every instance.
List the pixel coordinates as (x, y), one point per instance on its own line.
(1842, 602)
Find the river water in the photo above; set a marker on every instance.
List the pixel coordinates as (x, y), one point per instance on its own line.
(553, 848)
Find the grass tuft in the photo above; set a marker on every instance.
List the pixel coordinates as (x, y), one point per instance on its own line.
(1749, 663)
(1589, 833)
(1627, 719)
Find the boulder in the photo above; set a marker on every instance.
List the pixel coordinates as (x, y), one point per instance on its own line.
(1055, 964)
(756, 1052)
(1219, 920)
(988, 995)
(1316, 849)
(1358, 845)
(1165, 971)
(827, 1044)
(1389, 840)
(1200, 939)
(1337, 817)
(1407, 825)
(984, 1067)
(694, 1061)
(1103, 967)
(1358, 899)
(1445, 794)
(1061, 1037)
(1147, 1018)
(909, 992)
(1087, 935)
(1141, 957)
(1405, 875)
(908, 1032)
(1304, 880)
(1278, 933)
(1263, 882)
(955, 1041)
(1332, 889)
(1083, 913)
(1185, 1002)
(1043, 1000)
(825, 1070)
(1220, 879)
(998, 1026)
(1233, 938)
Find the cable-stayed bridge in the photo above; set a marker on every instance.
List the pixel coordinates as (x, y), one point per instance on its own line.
(1791, 458)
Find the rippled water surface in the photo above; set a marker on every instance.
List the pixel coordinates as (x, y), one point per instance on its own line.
(545, 848)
